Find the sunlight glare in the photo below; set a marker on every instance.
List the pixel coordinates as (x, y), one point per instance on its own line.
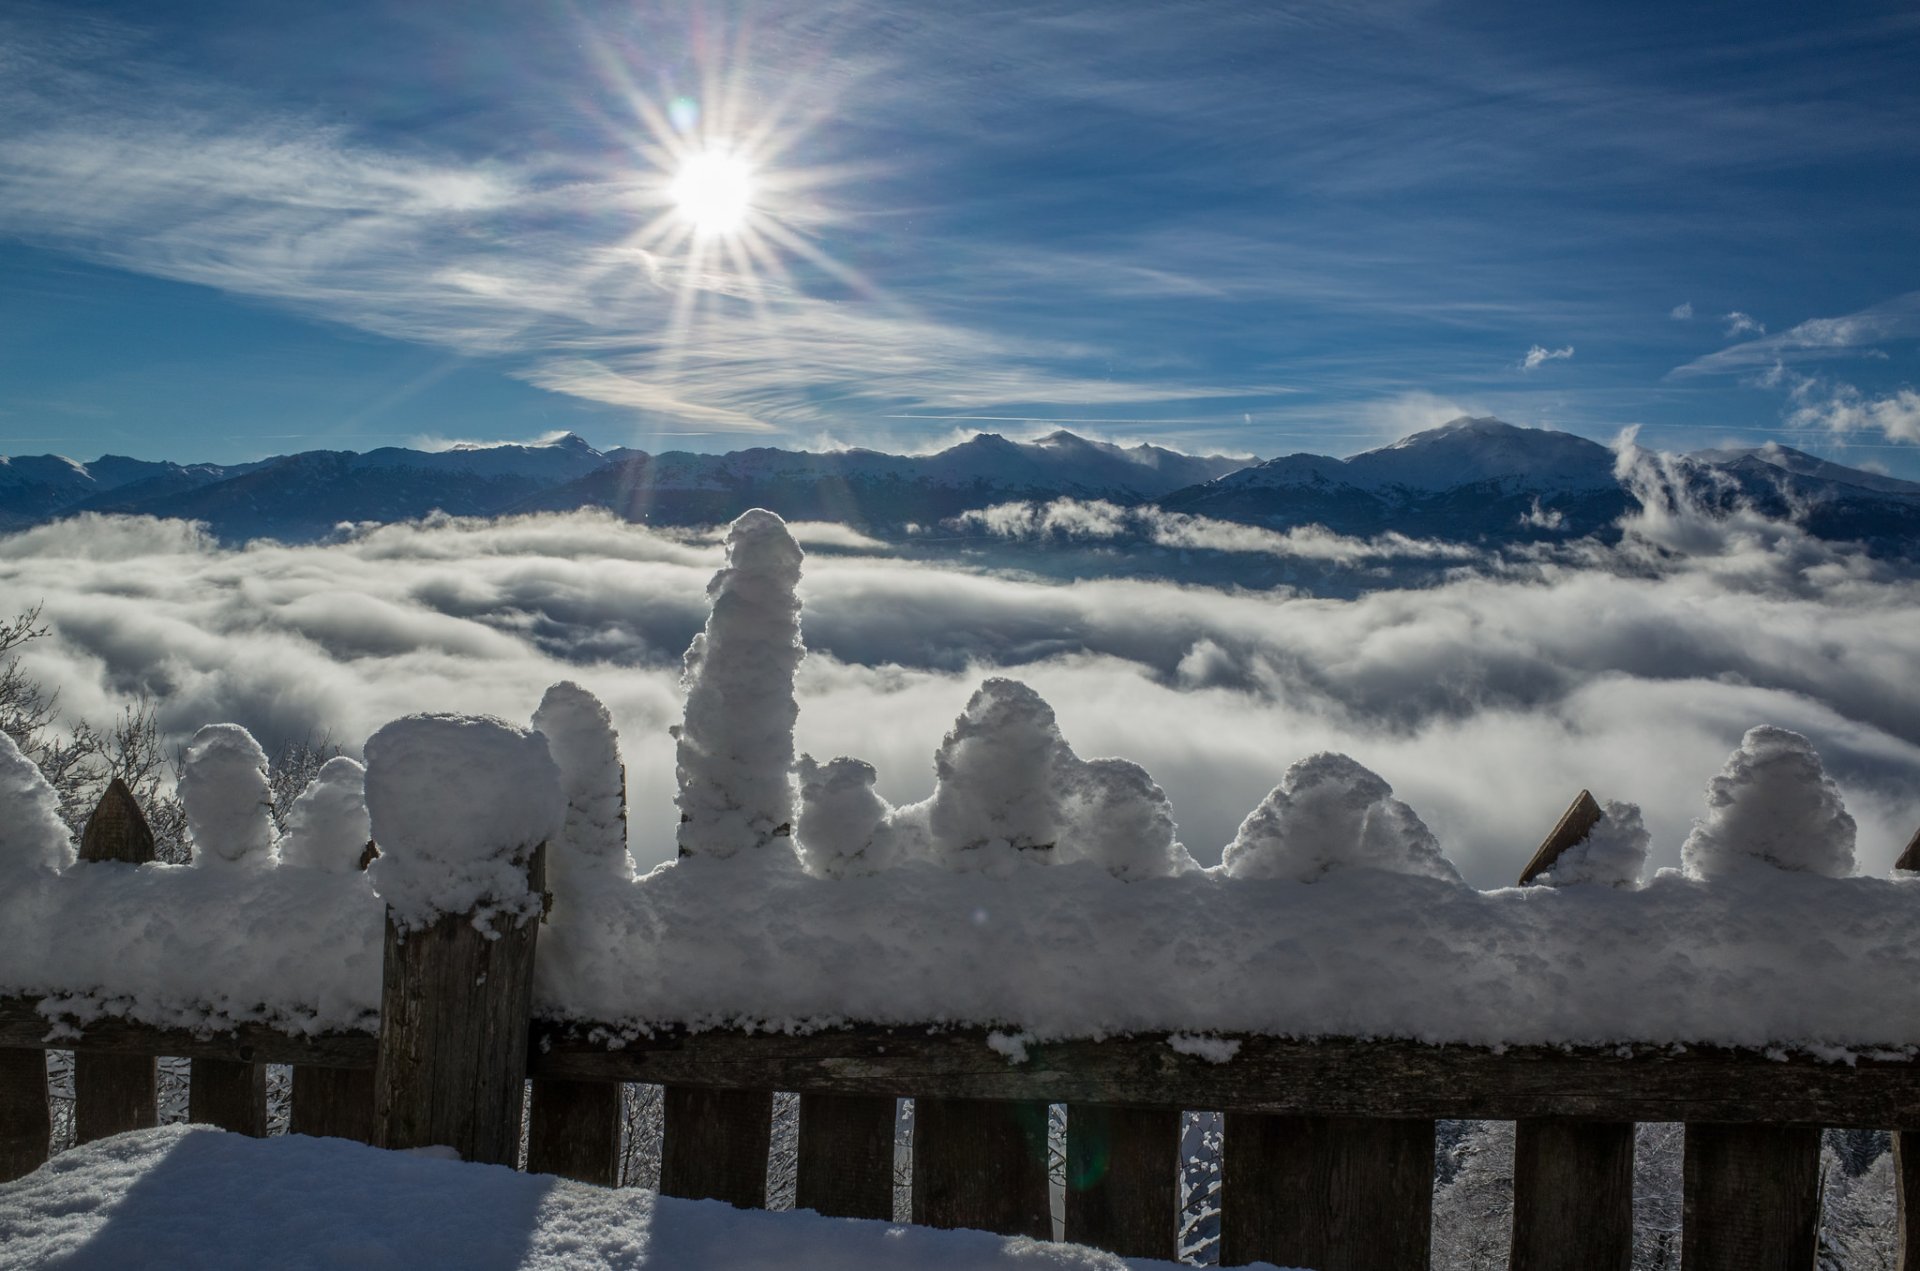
(713, 191)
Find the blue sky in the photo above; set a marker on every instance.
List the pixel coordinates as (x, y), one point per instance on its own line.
(241, 229)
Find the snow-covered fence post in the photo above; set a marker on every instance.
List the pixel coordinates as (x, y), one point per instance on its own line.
(461, 807)
(734, 759)
(1572, 1180)
(327, 829)
(573, 1127)
(229, 806)
(1123, 1173)
(114, 1093)
(33, 841)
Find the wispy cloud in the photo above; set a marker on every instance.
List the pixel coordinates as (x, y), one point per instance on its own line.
(1682, 312)
(1850, 335)
(1739, 324)
(1538, 356)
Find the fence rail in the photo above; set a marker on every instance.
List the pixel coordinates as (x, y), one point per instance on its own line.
(1328, 1153)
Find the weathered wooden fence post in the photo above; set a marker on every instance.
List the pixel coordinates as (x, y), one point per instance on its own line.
(1572, 1180)
(714, 1144)
(1750, 1198)
(461, 807)
(114, 1093)
(573, 1130)
(26, 1124)
(845, 1161)
(1906, 1188)
(981, 1164)
(1331, 1193)
(1123, 1167)
(229, 1093)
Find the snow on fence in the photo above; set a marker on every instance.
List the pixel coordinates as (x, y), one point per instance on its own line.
(461, 916)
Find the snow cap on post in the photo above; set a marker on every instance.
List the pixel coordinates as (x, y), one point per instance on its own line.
(735, 752)
(581, 738)
(228, 799)
(1329, 813)
(1613, 853)
(843, 827)
(994, 791)
(327, 826)
(458, 803)
(1772, 804)
(32, 835)
(1118, 815)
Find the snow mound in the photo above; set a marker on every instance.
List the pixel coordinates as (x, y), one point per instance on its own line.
(1772, 804)
(327, 826)
(735, 749)
(457, 804)
(229, 801)
(143, 1200)
(1614, 853)
(32, 835)
(1330, 813)
(582, 740)
(1008, 790)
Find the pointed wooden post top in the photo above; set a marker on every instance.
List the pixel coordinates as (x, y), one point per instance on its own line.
(1570, 831)
(1910, 858)
(118, 829)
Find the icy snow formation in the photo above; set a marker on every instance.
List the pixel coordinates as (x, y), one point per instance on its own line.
(458, 803)
(229, 802)
(32, 835)
(327, 826)
(1008, 789)
(1614, 853)
(1329, 813)
(735, 748)
(581, 738)
(1771, 804)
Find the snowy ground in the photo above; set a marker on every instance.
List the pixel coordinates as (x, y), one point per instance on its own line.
(191, 1196)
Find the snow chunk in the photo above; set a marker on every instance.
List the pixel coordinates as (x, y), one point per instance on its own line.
(327, 826)
(736, 747)
(1614, 852)
(32, 835)
(1772, 803)
(1215, 1050)
(229, 801)
(458, 804)
(583, 743)
(1010, 1046)
(1330, 813)
(845, 827)
(994, 789)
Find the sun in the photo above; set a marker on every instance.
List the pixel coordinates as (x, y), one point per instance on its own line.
(713, 191)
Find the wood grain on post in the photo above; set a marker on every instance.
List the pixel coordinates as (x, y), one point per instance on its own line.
(845, 1161)
(1906, 1191)
(454, 1008)
(332, 1103)
(714, 1144)
(981, 1164)
(229, 1094)
(114, 1093)
(1572, 1196)
(1569, 831)
(1751, 1198)
(26, 1123)
(1123, 1167)
(573, 1130)
(1331, 1193)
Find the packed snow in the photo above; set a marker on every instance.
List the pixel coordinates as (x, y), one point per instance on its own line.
(33, 838)
(327, 826)
(229, 801)
(1330, 813)
(458, 803)
(1772, 805)
(193, 1196)
(736, 746)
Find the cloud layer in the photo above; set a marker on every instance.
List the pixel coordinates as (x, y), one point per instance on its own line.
(1486, 702)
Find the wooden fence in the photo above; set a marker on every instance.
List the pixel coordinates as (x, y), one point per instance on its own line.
(1328, 1150)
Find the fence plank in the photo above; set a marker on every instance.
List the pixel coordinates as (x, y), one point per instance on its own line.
(332, 1103)
(1572, 829)
(229, 1094)
(714, 1144)
(1123, 1169)
(1332, 1193)
(573, 1130)
(1572, 1196)
(114, 1093)
(1910, 855)
(26, 1124)
(1751, 1198)
(454, 1006)
(981, 1164)
(845, 1161)
(1906, 1166)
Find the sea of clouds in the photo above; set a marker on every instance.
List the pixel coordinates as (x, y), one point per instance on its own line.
(1487, 700)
